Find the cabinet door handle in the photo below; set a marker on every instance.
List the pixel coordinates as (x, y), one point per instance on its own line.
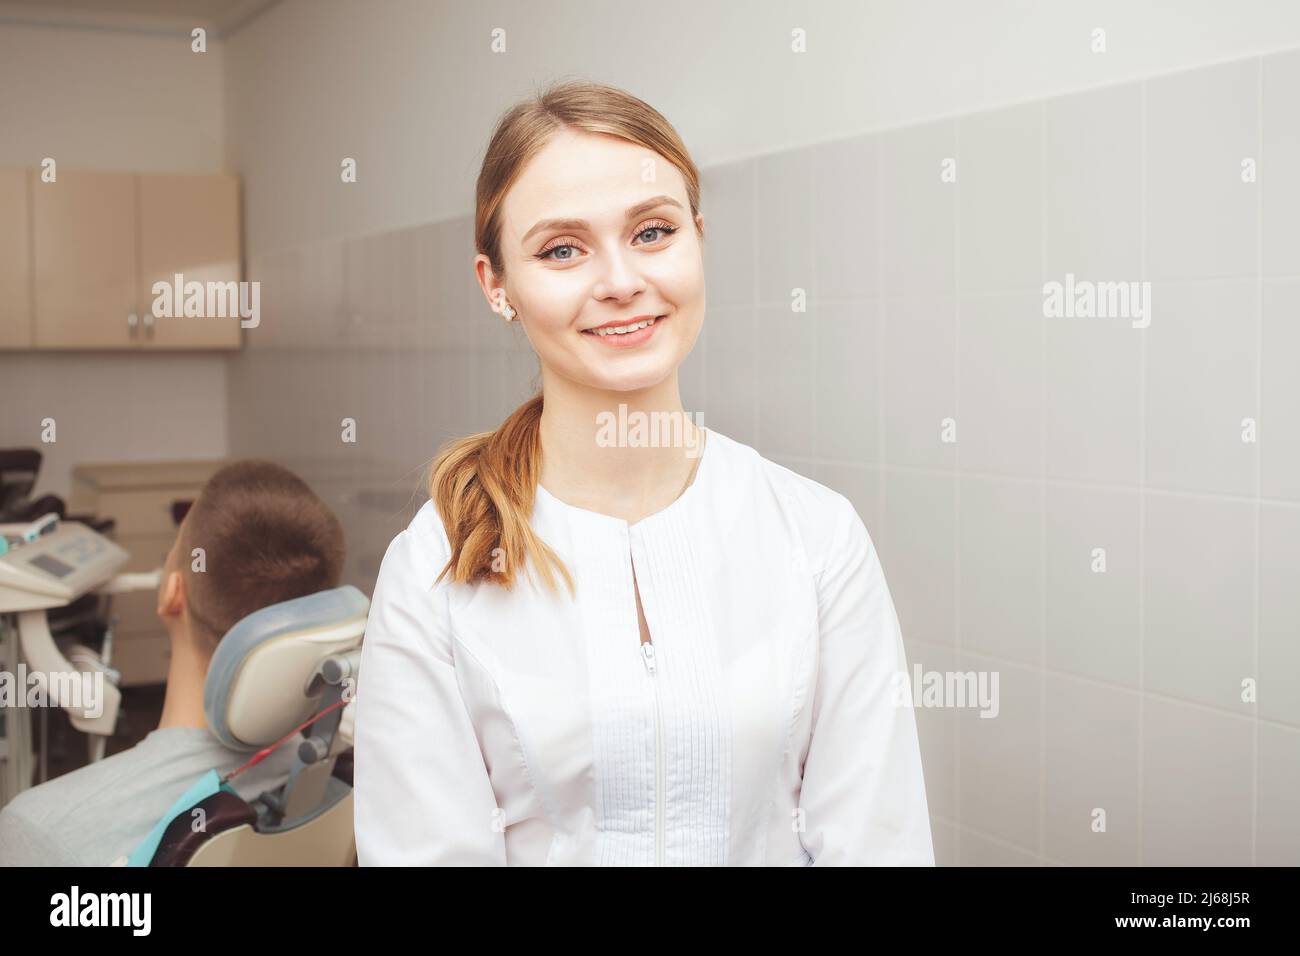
(133, 321)
(148, 324)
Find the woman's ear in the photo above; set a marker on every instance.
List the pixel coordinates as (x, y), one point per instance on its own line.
(493, 288)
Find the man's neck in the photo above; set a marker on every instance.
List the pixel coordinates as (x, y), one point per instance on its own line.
(186, 674)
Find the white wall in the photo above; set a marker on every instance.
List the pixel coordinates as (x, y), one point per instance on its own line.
(925, 302)
(111, 408)
(108, 100)
(100, 99)
(412, 93)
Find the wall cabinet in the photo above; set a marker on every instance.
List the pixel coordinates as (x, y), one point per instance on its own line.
(188, 225)
(84, 249)
(90, 246)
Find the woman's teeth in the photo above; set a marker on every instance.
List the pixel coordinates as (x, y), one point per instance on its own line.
(624, 329)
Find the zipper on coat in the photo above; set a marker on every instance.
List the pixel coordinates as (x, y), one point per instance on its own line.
(648, 655)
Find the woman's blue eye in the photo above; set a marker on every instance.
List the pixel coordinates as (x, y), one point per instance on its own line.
(669, 230)
(665, 229)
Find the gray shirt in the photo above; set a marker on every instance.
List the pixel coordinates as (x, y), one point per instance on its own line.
(104, 810)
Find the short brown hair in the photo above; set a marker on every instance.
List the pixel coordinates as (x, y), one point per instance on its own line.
(266, 537)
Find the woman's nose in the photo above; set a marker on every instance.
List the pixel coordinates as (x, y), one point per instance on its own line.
(619, 276)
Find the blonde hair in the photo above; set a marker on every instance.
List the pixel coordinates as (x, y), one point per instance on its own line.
(484, 484)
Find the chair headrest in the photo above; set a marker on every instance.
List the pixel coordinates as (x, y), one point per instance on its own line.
(259, 684)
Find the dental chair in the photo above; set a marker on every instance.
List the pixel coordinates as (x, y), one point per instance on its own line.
(271, 673)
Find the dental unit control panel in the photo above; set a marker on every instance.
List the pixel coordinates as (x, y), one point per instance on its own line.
(56, 567)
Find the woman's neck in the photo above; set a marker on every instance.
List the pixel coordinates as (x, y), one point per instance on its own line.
(623, 454)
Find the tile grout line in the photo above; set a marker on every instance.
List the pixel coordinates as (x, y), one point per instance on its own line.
(957, 473)
(1042, 490)
(1114, 687)
(1260, 173)
(1142, 482)
(816, 305)
(1029, 291)
(1076, 483)
(882, 338)
(757, 295)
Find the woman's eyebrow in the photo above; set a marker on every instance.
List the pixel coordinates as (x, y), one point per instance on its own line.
(632, 213)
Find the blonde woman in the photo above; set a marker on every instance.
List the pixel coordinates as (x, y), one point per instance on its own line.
(594, 648)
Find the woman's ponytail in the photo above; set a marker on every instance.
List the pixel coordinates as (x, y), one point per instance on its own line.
(484, 486)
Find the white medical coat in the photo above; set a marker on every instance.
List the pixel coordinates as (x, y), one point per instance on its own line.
(772, 724)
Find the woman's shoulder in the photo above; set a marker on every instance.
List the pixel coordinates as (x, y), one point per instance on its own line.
(822, 515)
(422, 545)
(427, 528)
(811, 498)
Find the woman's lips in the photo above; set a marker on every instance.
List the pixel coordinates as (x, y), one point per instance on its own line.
(625, 340)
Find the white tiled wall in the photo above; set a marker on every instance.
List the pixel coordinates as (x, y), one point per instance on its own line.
(1122, 691)
(1122, 736)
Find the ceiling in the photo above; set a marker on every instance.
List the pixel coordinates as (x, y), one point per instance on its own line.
(219, 17)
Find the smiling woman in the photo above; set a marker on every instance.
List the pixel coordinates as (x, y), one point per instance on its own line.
(582, 201)
(504, 720)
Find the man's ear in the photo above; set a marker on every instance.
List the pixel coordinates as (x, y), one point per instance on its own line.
(171, 595)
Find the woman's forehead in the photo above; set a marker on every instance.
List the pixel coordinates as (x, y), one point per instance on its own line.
(588, 176)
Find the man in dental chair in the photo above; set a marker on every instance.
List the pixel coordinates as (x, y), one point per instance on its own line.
(266, 537)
